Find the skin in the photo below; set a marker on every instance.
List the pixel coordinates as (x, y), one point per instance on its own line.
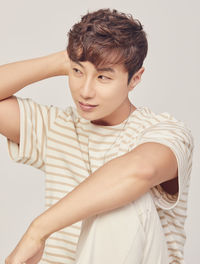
(147, 165)
(106, 87)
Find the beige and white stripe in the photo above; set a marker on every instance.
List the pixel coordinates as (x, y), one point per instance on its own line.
(68, 148)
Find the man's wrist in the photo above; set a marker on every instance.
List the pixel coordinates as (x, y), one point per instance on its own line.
(66, 64)
(36, 231)
(63, 62)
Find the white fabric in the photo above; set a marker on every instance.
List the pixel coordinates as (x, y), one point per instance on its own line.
(131, 234)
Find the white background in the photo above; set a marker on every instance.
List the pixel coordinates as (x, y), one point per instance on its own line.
(170, 83)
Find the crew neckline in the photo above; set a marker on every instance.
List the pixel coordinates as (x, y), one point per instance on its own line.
(138, 109)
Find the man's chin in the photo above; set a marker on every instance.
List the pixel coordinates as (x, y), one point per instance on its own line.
(86, 115)
(93, 117)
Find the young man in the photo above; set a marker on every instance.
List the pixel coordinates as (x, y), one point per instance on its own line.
(105, 160)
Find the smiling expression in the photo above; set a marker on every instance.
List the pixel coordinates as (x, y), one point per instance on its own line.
(101, 95)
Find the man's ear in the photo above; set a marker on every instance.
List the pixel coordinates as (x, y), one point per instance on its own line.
(136, 78)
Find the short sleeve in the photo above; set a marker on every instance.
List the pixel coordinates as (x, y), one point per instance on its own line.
(175, 135)
(33, 133)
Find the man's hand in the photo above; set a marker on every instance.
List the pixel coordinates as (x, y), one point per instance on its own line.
(66, 64)
(29, 250)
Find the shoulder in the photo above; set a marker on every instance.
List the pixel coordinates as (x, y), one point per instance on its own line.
(162, 128)
(48, 114)
(146, 113)
(151, 120)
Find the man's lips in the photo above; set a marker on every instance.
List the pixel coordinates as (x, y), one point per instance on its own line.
(89, 105)
(86, 107)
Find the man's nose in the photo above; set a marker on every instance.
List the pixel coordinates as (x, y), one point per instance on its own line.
(87, 89)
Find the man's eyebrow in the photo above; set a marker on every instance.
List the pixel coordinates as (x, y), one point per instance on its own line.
(106, 69)
(77, 62)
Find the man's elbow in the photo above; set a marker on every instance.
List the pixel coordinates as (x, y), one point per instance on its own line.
(143, 172)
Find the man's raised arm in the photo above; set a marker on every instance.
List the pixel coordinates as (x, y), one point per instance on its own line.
(15, 76)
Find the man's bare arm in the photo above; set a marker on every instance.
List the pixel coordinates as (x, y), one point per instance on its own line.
(120, 181)
(15, 76)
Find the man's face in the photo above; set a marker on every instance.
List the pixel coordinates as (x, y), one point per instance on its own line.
(101, 95)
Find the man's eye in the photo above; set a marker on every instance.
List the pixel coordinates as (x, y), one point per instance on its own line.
(102, 77)
(76, 70)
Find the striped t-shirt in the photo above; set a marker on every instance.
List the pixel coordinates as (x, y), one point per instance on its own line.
(68, 148)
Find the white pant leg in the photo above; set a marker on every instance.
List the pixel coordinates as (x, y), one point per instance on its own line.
(131, 234)
(155, 247)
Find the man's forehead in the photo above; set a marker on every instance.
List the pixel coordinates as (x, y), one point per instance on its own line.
(106, 67)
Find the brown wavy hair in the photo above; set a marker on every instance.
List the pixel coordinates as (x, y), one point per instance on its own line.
(108, 37)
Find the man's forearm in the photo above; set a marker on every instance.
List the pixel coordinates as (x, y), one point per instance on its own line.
(15, 76)
(111, 186)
